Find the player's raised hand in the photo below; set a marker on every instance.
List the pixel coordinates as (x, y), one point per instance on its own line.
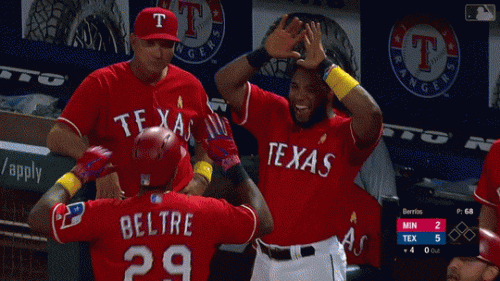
(219, 143)
(280, 42)
(314, 51)
(93, 164)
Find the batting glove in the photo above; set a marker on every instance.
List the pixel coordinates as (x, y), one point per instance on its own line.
(219, 143)
(93, 164)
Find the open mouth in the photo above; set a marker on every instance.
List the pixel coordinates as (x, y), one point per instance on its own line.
(301, 109)
(302, 113)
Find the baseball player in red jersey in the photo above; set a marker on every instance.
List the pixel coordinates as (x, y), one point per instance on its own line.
(488, 189)
(308, 155)
(113, 104)
(156, 235)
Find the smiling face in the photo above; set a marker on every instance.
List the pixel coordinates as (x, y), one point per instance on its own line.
(308, 98)
(151, 57)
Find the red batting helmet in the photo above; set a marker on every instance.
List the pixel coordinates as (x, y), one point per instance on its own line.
(489, 246)
(156, 154)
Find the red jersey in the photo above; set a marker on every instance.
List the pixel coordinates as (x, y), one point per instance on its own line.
(304, 174)
(361, 228)
(153, 236)
(488, 187)
(111, 106)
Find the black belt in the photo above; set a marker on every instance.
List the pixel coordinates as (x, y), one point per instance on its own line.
(284, 254)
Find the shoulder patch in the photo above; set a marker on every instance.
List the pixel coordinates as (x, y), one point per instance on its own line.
(73, 215)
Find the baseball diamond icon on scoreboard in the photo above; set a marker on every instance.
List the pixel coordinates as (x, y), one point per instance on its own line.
(461, 230)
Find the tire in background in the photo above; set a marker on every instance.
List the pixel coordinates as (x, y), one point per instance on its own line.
(89, 24)
(337, 46)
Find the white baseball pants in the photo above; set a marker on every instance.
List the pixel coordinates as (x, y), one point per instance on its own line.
(299, 262)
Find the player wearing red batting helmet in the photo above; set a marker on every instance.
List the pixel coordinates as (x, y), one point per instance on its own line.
(157, 234)
(484, 267)
(155, 155)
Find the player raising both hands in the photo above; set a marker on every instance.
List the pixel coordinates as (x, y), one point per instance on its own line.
(309, 156)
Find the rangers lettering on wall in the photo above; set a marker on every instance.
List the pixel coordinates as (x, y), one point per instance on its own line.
(424, 55)
(201, 28)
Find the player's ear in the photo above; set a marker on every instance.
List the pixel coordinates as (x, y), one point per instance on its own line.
(170, 185)
(491, 273)
(133, 41)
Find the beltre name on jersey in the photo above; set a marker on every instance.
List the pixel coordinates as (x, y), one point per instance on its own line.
(162, 222)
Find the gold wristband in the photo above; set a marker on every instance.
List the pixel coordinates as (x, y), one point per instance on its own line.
(340, 82)
(204, 168)
(70, 182)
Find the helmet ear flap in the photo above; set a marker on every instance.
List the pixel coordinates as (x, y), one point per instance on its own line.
(489, 246)
(155, 156)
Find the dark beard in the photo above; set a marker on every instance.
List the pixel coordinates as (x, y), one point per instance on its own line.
(318, 115)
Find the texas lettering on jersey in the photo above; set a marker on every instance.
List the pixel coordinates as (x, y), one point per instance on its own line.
(299, 158)
(354, 244)
(360, 221)
(137, 118)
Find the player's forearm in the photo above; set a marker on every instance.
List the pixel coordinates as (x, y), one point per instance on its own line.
(200, 154)
(62, 140)
(90, 166)
(39, 218)
(250, 194)
(231, 80)
(202, 172)
(366, 114)
(197, 186)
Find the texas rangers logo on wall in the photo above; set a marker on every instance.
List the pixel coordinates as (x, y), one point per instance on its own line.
(201, 28)
(424, 55)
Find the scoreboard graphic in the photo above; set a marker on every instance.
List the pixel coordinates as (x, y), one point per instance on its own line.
(438, 231)
(421, 231)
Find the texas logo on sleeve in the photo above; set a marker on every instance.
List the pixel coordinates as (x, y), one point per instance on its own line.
(73, 215)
